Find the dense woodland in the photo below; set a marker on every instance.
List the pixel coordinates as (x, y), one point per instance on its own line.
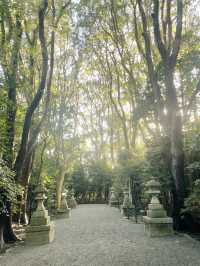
(95, 94)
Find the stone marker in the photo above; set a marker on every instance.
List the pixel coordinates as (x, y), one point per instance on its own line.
(41, 229)
(127, 207)
(71, 200)
(113, 202)
(64, 211)
(156, 222)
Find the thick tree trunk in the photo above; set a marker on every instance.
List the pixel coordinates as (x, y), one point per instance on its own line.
(2, 224)
(168, 53)
(38, 96)
(10, 121)
(177, 167)
(8, 233)
(59, 187)
(176, 145)
(10, 73)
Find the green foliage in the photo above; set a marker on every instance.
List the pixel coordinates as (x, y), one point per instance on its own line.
(102, 100)
(130, 167)
(50, 188)
(192, 150)
(9, 190)
(92, 178)
(192, 203)
(2, 119)
(79, 181)
(99, 176)
(158, 157)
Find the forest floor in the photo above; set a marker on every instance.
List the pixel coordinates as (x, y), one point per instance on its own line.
(97, 235)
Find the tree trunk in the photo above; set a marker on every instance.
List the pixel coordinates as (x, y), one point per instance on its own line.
(176, 145)
(38, 96)
(177, 168)
(10, 121)
(26, 175)
(10, 73)
(2, 224)
(59, 187)
(8, 233)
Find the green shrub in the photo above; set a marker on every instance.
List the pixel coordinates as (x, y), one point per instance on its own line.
(8, 188)
(192, 203)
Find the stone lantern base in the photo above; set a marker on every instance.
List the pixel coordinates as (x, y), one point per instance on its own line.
(41, 230)
(40, 234)
(156, 227)
(63, 213)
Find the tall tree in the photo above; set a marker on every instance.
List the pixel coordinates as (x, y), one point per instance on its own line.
(10, 35)
(168, 46)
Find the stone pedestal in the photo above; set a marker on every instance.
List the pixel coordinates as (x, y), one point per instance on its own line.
(41, 229)
(113, 202)
(155, 227)
(64, 211)
(156, 222)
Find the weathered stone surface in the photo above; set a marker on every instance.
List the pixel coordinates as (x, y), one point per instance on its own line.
(71, 200)
(40, 235)
(72, 203)
(155, 227)
(127, 208)
(113, 202)
(64, 211)
(156, 222)
(40, 220)
(156, 213)
(41, 230)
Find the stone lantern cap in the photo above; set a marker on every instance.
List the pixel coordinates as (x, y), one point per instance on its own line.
(40, 188)
(153, 186)
(39, 191)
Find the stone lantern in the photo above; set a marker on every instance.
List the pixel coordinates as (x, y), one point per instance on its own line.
(127, 207)
(113, 202)
(71, 200)
(156, 222)
(64, 211)
(41, 229)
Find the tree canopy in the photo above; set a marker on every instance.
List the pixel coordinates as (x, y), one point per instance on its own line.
(95, 94)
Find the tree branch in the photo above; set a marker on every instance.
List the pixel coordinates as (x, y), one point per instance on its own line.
(177, 40)
(157, 34)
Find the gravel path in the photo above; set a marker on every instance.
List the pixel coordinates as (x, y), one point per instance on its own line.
(97, 235)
